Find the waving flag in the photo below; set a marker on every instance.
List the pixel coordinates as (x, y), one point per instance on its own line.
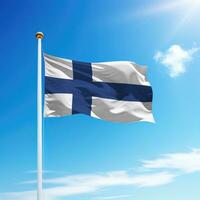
(114, 91)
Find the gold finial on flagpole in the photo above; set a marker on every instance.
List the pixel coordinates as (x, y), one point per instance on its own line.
(39, 35)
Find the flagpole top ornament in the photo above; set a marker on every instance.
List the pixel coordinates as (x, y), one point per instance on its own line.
(39, 35)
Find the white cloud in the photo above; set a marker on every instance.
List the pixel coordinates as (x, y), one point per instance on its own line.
(114, 178)
(175, 59)
(113, 197)
(89, 183)
(185, 162)
(28, 195)
(44, 171)
(156, 172)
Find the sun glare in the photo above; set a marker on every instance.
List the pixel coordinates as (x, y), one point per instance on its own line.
(194, 4)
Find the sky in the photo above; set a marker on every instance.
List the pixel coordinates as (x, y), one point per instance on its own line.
(88, 158)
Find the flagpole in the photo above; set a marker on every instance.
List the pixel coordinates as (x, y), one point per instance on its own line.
(39, 36)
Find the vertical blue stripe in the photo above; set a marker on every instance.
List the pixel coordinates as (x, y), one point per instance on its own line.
(81, 100)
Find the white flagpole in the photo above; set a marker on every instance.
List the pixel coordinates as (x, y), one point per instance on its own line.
(39, 36)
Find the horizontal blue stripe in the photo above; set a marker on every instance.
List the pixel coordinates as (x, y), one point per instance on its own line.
(118, 91)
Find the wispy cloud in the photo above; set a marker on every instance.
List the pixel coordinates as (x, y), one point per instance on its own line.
(175, 59)
(27, 195)
(112, 197)
(185, 162)
(44, 171)
(156, 172)
(89, 183)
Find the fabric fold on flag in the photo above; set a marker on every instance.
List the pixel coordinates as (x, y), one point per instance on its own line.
(115, 91)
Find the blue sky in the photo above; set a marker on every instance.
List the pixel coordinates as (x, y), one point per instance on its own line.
(86, 158)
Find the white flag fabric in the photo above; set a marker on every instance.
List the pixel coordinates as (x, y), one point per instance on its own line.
(115, 91)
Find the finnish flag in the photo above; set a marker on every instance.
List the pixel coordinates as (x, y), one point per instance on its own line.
(115, 91)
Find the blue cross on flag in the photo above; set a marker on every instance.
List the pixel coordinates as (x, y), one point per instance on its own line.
(115, 91)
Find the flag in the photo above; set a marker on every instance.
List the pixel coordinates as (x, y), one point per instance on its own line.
(114, 91)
